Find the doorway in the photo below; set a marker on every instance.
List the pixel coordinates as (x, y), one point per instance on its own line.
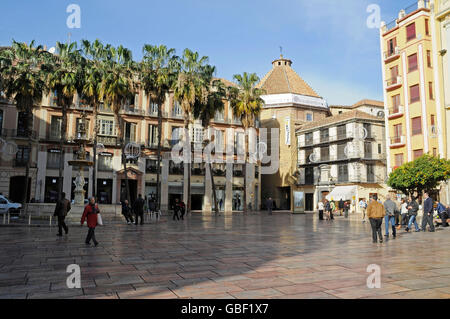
(309, 202)
(16, 188)
(132, 183)
(197, 202)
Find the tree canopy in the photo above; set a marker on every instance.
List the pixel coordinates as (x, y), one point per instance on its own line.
(423, 174)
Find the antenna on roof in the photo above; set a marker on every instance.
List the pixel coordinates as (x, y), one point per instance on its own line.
(281, 51)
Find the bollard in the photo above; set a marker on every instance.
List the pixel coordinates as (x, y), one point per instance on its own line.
(50, 220)
(29, 219)
(8, 218)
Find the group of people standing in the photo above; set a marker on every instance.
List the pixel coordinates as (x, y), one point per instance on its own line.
(330, 208)
(137, 210)
(406, 215)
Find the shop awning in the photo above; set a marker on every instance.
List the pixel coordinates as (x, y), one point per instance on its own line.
(342, 192)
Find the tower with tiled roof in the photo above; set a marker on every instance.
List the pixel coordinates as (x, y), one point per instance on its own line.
(289, 102)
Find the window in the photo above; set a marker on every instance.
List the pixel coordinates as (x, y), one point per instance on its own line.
(151, 166)
(394, 74)
(433, 125)
(368, 150)
(198, 134)
(398, 160)
(309, 117)
(429, 58)
(218, 140)
(325, 154)
(22, 155)
(176, 134)
(153, 108)
(370, 173)
(152, 135)
(23, 125)
(107, 127)
(309, 176)
(392, 43)
(414, 93)
(427, 27)
(177, 110)
(55, 127)
(379, 149)
(430, 90)
(397, 134)
(396, 103)
(412, 62)
(105, 162)
(434, 151)
(309, 138)
(343, 173)
(324, 135)
(130, 132)
(417, 125)
(53, 158)
(341, 151)
(417, 154)
(342, 131)
(411, 32)
(308, 156)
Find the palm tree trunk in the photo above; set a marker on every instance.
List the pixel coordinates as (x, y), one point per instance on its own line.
(158, 165)
(124, 159)
(61, 149)
(188, 204)
(244, 170)
(27, 166)
(213, 185)
(94, 154)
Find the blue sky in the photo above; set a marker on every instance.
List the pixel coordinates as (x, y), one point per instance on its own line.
(328, 40)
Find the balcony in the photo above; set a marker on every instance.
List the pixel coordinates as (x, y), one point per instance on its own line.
(397, 141)
(391, 55)
(20, 162)
(393, 83)
(20, 133)
(396, 112)
(132, 111)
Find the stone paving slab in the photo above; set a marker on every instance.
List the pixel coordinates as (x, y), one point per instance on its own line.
(225, 257)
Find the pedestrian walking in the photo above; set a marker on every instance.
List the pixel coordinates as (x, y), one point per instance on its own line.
(269, 205)
(320, 207)
(176, 209)
(138, 208)
(375, 213)
(61, 209)
(341, 206)
(346, 208)
(90, 214)
(126, 212)
(390, 208)
(427, 213)
(182, 209)
(220, 204)
(332, 209)
(413, 209)
(363, 207)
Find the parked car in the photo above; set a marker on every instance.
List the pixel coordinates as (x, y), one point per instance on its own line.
(7, 206)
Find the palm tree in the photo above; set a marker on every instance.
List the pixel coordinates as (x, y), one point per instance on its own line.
(206, 112)
(246, 103)
(157, 75)
(22, 79)
(117, 86)
(95, 54)
(189, 88)
(64, 77)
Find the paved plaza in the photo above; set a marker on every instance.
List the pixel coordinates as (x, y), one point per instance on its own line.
(254, 256)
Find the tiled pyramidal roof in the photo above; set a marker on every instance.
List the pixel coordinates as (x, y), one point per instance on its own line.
(282, 79)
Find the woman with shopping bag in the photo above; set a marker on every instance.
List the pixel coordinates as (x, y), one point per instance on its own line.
(92, 215)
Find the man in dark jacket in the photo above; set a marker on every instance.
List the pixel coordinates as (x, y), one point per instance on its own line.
(61, 209)
(341, 207)
(413, 208)
(138, 208)
(427, 213)
(126, 212)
